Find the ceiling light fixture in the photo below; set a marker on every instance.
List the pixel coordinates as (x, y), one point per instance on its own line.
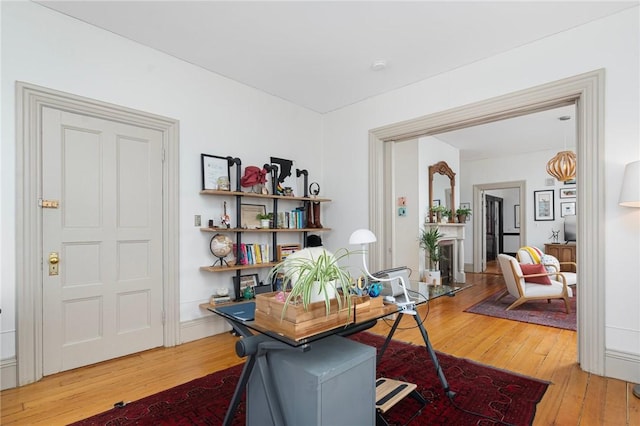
(378, 65)
(563, 165)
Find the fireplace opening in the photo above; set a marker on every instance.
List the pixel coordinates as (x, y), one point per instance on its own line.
(446, 261)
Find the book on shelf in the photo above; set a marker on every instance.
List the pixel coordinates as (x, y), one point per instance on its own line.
(241, 255)
(251, 253)
(215, 300)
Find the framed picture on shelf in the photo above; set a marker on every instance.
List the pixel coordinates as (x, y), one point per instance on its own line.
(250, 280)
(249, 213)
(568, 192)
(465, 205)
(436, 203)
(567, 209)
(543, 204)
(516, 216)
(215, 172)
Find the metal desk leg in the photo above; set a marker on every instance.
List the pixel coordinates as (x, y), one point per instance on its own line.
(255, 348)
(428, 347)
(389, 337)
(434, 358)
(240, 387)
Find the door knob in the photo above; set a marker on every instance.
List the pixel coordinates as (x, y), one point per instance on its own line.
(53, 263)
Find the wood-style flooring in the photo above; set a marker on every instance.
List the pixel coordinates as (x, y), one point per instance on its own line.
(573, 398)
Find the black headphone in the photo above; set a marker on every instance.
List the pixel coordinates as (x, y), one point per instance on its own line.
(316, 190)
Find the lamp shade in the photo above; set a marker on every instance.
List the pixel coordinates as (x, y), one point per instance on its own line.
(630, 193)
(563, 166)
(362, 236)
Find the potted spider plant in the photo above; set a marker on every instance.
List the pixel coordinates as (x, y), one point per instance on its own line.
(317, 277)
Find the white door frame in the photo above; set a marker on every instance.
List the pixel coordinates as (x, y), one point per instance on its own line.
(30, 99)
(479, 232)
(586, 91)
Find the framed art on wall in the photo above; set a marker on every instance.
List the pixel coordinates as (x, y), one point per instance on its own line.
(543, 204)
(215, 172)
(568, 192)
(568, 209)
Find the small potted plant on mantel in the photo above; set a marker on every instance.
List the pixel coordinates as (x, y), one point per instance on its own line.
(438, 211)
(265, 219)
(429, 242)
(447, 215)
(462, 214)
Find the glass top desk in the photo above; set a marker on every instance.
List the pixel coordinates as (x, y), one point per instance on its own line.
(257, 341)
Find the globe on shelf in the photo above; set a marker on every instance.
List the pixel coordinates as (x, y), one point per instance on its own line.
(220, 246)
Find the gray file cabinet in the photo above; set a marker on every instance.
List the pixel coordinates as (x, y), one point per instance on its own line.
(331, 384)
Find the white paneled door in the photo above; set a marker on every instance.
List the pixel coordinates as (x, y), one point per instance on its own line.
(103, 298)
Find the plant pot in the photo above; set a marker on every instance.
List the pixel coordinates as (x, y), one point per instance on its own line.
(318, 296)
(264, 223)
(433, 277)
(462, 218)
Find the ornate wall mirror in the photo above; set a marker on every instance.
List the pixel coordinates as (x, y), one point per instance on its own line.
(442, 183)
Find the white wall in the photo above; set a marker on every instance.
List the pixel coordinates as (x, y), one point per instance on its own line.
(405, 175)
(611, 43)
(532, 169)
(217, 116)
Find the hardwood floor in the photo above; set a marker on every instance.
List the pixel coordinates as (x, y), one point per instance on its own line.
(573, 398)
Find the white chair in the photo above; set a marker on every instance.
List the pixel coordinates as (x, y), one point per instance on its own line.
(532, 255)
(523, 291)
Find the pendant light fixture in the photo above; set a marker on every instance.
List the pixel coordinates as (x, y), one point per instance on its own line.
(563, 165)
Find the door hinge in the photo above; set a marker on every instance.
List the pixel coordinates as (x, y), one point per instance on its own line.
(164, 317)
(163, 154)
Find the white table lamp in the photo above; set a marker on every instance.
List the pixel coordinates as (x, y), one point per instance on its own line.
(630, 193)
(363, 237)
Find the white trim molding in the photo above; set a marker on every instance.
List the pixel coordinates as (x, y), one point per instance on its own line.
(8, 373)
(200, 328)
(586, 91)
(622, 365)
(30, 100)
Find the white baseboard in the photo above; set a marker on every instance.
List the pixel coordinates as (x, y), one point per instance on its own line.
(8, 373)
(189, 331)
(622, 365)
(202, 327)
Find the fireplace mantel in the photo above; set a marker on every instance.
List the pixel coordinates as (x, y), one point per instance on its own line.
(453, 232)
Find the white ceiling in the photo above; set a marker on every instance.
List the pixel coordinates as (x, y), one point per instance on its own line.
(319, 54)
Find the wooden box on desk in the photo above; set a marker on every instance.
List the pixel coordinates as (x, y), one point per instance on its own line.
(298, 323)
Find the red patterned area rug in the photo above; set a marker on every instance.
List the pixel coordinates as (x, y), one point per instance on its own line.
(535, 312)
(505, 397)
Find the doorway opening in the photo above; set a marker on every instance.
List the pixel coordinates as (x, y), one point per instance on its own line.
(586, 92)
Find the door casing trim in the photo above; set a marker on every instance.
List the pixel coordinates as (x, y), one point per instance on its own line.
(478, 232)
(30, 100)
(586, 91)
